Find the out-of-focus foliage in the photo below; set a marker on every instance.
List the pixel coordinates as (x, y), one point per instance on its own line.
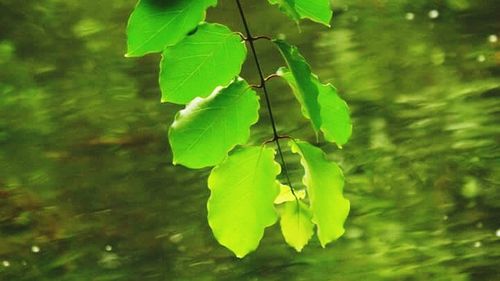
(84, 176)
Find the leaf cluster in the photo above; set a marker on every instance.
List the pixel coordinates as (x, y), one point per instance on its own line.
(200, 68)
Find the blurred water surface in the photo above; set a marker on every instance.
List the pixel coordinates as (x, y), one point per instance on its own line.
(87, 190)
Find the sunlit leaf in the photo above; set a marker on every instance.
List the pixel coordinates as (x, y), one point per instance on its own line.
(240, 206)
(288, 8)
(315, 10)
(298, 76)
(155, 24)
(286, 194)
(211, 57)
(335, 117)
(296, 225)
(208, 128)
(325, 182)
(320, 102)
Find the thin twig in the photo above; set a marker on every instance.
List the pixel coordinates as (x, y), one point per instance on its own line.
(248, 38)
(243, 37)
(269, 77)
(256, 86)
(261, 37)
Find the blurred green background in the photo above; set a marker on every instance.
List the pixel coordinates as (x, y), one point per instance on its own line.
(88, 192)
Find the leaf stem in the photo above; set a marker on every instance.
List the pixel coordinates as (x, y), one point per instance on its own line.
(269, 77)
(250, 39)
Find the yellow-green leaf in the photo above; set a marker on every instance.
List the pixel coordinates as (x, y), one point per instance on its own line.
(319, 102)
(288, 8)
(336, 122)
(156, 24)
(316, 10)
(298, 76)
(286, 194)
(325, 182)
(296, 225)
(243, 189)
(208, 128)
(194, 67)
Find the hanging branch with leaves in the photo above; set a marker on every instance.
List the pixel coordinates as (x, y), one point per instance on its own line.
(199, 64)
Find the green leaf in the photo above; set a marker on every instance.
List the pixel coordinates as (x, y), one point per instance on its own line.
(320, 102)
(208, 128)
(240, 206)
(296, 225)
(315, 10)
(155, 24)
(194, 67)
(286, 194)
(298, 77)
(335, 117)
(325, 182)
(288, 8)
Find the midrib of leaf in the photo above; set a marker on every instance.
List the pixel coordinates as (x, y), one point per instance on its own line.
(155, 34)
(297, 204)
(196, 70)
(215, 120)
(180, 12)
(192, 73)
(195, 142)
(248, 176)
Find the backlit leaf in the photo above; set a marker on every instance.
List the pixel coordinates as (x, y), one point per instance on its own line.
(320, 102)
(325, 182)
(243, 189)
(298, 76)
(335, 117)
(286, 194)
(315, 10)
(288, 8)
(155, 24)
(208, 128)
(211, 57)
(296, 225)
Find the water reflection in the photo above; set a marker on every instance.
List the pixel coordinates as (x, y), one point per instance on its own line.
(84, 160)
